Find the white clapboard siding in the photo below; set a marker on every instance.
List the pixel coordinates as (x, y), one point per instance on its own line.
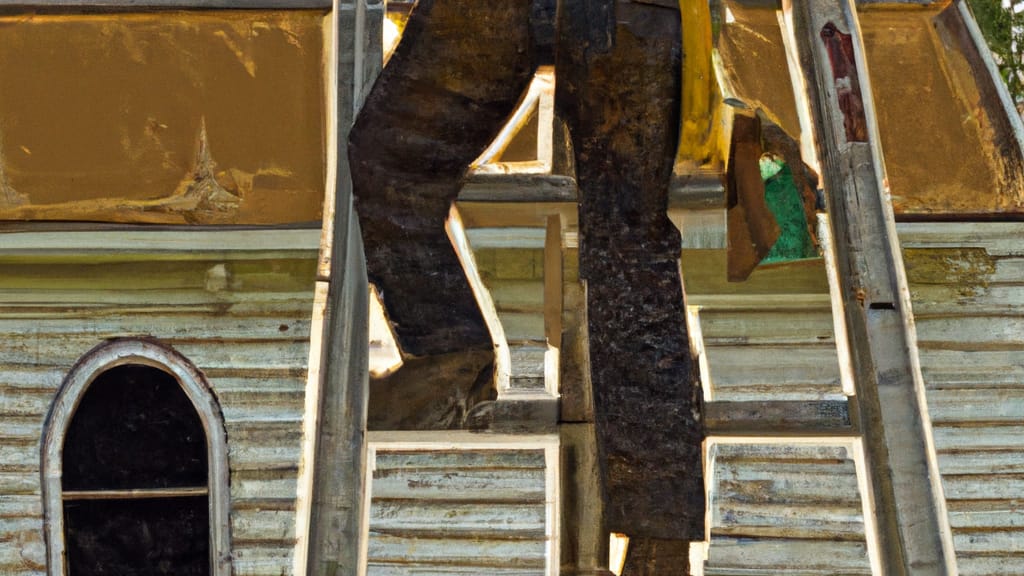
(242, 317)
(454, 512)
(787, 354)
(785, 509)
(967, 291)
(511, 265)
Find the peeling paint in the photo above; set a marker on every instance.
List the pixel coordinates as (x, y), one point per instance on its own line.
(9, 197)
(968, 269)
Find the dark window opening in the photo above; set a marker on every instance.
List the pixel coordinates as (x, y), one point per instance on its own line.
(135, 478)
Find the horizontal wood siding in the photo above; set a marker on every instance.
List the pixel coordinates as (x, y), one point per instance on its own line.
(514, 276)
(785, 509)
(455, 512)
(241, 317)
(786, 353)
(967, 289)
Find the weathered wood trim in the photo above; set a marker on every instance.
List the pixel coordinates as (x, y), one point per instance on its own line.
(540, 188)
(992, 71)
(149, 353)
(552, 505)
(913, 528)
(533, 238)
(133, 494)
(700, 354)
(259, 244)
(883, 4)
(329, 537)
(311, 406)
(842, 335)
(70, 5)
(457, 440)
(585, 543)
(552, 302)
(502, 355)
(539, 99)
(778, 418)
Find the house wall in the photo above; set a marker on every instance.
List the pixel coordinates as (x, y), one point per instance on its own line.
(967, 287)
(239, 310)
(463, 505)
(777, 504)
(785, 508)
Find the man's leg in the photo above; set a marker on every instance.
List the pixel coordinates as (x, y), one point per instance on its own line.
(456, 76)
(618, 87)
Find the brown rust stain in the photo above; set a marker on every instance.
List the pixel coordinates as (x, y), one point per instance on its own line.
(846, 79)
(967, 269)
(100, 115)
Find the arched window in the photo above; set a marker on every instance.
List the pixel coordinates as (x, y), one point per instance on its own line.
(135, 467)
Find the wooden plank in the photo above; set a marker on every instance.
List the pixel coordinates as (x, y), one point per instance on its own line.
(476, 505)
(779, 372)
(382, 569)
(996, 437)
(513, 485)
(132, 494)
(482, 553)
(262, 561)
(770, 418)
(517, 295)
(794, 326)
(21, 506)
(913, 530)
(263, 527)
(997, 238)
(1005, 460)
(282, 488)
(415, 518)
(988, 542)
(991, 514)
(519, 188)
(553, 280)
(24, 554)
(779, 485)
(19, 457)
(975, 332)
(584, 541)
(986, 564)
(805, 521)
(154, 244)
(809, 453)
(971, 369)
(410, 460)
(19, 480)
(973, 407)
(172, 4)
(742, 556)
(983, 486)
(166, 326)
(255, 456)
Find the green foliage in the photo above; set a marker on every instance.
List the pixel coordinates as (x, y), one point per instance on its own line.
(1004, 32)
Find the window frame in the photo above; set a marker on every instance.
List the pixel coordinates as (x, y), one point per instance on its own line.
(147, 353)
